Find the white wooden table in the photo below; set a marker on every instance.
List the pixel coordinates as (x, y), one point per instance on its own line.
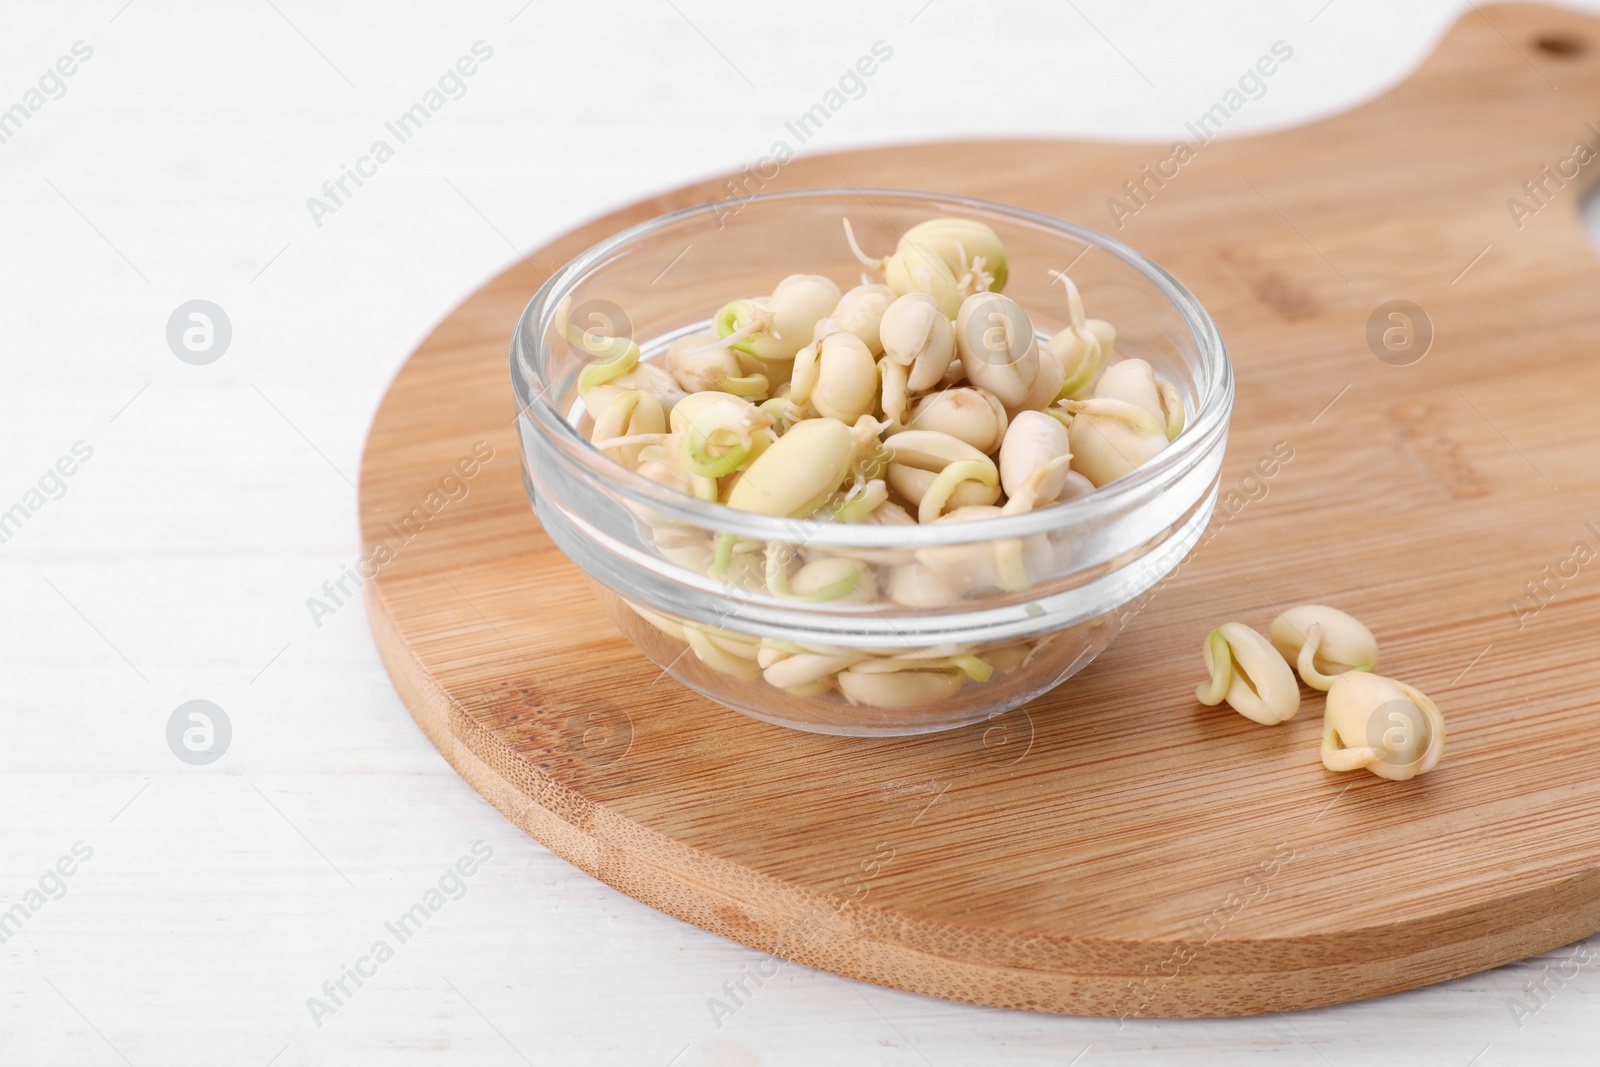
(208, 904)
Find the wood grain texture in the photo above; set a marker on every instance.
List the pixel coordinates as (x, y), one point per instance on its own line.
(1114, 848)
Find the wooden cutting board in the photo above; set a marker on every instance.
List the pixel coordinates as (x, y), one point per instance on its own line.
(1114, 848)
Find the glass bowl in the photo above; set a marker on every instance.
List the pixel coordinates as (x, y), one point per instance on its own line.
(703, 589)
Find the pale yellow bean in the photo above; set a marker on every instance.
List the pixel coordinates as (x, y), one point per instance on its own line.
(773, 328)
(1249, 674)
(919, 458)
(836, 578)
(798, 472)
(628, 424)
(1111, 438)
(916, 585)
(1382, 725)
(724, 406)
(1075, 486)
(915, 269)
(985, 566)
(968, 250)
(722, 655)
(846, 385)
(1008, 658)
(929, 450)
(803, 668)
(966, 413)
(697, 367)
(719, 434)
(859, 312)
(1324, 643)
(1132, 381)
(998, 349)
(915, 485)
(901, 689)
(917, 335)
(663, 464)
(645, 378)
(1135, 381)
(1034, 460)
(971, 249)
(889, 514)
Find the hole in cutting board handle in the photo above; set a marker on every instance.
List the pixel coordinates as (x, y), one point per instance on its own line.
(1558, 43)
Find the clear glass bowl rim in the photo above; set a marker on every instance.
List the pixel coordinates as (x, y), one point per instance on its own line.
(1209, 421)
